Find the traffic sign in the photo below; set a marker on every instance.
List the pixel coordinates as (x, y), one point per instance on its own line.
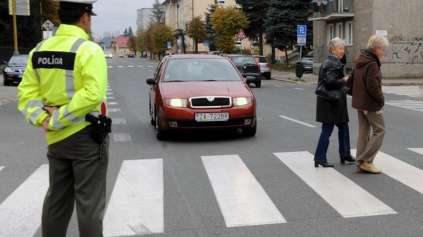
(241, 35)
(301, 41)
(301, 31)
(169, 44)
(206, 43)
(48, 25)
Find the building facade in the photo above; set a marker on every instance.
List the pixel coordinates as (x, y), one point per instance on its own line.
(143, 17)
(355, 21)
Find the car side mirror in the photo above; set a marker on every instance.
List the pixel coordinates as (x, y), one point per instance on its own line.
(151, 81)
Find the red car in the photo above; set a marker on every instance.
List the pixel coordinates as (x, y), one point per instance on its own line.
(197, 92)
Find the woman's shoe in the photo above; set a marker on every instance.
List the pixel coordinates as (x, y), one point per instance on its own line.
(347, 159)
(323, 164)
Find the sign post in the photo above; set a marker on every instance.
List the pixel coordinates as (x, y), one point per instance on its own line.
(241, 35)
(301, 37)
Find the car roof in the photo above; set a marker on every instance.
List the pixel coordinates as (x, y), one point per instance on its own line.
(194, 56)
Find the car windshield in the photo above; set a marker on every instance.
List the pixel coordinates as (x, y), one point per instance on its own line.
(18, 60)
(200, 70)
(107, 52)
(243, 59)
(262, 59)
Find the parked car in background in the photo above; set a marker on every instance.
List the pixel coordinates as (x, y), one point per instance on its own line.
(15, 69)
(215, 52)
(249, 67)
(131, 55)
(200, 92)
(265, 69)
(108, 54)
(307, 62)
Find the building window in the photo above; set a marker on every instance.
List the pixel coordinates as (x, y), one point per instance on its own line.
(340, 5)
(349, 33)
(330, 32)
(339, 30)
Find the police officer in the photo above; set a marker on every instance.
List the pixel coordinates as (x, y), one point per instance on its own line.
(66, 79)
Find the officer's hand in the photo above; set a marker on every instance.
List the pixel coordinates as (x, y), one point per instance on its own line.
(49, 109)
(45, 124)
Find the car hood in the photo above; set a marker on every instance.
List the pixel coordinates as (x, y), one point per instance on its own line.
(17, 67)
(209, 88)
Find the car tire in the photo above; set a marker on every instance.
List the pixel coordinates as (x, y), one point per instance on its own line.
(160, 134)
(5, 83)
(250, 132)
(258, 84)
(269, 76)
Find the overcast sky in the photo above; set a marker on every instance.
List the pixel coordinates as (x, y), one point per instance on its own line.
(117, 15)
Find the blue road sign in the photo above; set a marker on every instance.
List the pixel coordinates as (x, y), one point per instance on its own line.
(169, 44)
(206, 43)
(301, 31)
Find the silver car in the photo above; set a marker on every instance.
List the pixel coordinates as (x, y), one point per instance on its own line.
(265, 69)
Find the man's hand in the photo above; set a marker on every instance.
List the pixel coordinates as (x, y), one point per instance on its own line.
(49, 109)
(45, 124)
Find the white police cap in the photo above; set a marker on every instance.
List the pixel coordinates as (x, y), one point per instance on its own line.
(86, 5)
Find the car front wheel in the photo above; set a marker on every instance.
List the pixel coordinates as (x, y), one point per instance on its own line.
(160, 134)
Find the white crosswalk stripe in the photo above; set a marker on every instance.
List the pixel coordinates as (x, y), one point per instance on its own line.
(20, 213)
(334, 188)
(410, 91)
(408, 104)
(399, 170)
(241, 198)
(136, 205)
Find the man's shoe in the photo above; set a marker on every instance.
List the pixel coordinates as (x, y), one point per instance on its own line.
(359, 170)
(347, 159)
(369, 167)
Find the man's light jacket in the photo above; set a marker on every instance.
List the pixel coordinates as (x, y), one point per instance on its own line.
(67, 71)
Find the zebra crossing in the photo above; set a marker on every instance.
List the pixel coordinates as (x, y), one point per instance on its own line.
(137, 202)
(414, 92)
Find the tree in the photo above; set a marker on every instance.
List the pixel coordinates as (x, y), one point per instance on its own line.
(211, 33)
(140, 40)
(160, 36)
(227, 21)
(282, 20)
(256, 13)
(130, 33)
(148, 39)
(197, 31)
(158, 14)
(125, 32)
(132, 44)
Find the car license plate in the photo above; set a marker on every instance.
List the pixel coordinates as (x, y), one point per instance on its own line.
(210, 117)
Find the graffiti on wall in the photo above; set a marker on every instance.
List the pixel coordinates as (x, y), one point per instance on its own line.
(404, 53)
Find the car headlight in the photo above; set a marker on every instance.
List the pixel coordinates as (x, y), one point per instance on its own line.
(176, 102)
(240, 101)
(7, 69)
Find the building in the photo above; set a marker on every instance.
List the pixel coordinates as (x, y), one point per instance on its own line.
(143, 17)
(355, 21)
(119, 46)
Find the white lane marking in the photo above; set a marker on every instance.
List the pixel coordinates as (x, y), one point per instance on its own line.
(121, 137)
(334, 188)
(108, 89)
(150, 66)
(136, 206)
(140, 66)
(20, 213)
(407, 104)
(130, 66)
(109, 66)
(109, 93)
(301, 89)
(114, 110)
(118, 121)
(241, 198)
(110, 97)
(399, 170)
(112, 103)
(297, 121)
(1, 167)
(119, 66)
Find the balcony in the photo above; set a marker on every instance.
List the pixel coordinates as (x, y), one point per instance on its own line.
(331, 10)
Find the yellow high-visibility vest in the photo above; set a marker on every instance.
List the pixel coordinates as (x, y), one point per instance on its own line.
(67, 71)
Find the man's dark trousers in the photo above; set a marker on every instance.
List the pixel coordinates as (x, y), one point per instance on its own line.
(76, 174)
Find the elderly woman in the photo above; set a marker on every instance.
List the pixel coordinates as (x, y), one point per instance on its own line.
(333, 113)
(368, 99)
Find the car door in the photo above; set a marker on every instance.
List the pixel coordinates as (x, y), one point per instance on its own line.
(154, 88)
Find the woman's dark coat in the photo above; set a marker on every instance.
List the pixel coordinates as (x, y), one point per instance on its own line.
(328, 111)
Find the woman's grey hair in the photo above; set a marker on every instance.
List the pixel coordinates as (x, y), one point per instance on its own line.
(377, 40)
(334, 43)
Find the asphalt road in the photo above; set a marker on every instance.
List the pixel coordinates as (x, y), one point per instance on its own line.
(172, 190)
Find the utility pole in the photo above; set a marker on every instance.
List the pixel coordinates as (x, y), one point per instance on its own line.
(15, 28)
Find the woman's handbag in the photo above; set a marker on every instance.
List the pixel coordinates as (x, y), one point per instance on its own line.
(323, 92)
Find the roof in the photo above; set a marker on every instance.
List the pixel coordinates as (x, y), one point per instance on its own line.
(121, 41)
(107, 41)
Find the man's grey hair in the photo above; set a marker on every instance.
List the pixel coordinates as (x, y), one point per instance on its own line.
(335, 43)
(377, 40)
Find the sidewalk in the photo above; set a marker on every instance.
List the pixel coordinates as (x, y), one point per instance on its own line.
(311, 79)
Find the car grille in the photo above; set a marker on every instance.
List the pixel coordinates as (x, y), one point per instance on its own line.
(19, 70)
(210, 102)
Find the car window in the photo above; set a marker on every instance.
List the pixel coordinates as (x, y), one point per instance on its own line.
(158, 70)
(262, 59)
(243, 59)
(200, 70)
(19, 60)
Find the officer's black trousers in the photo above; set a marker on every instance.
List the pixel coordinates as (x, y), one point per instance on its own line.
(76, 174)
